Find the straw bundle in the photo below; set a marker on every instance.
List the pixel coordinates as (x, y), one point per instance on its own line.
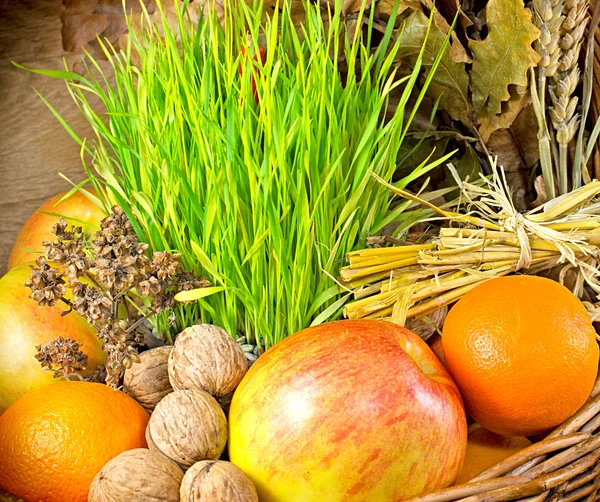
(488, 238)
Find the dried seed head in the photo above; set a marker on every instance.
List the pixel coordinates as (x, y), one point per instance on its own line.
(566, 42)
(554, 64)
(63, 357)
(217, 481)
(545, 36)
(543, 8)
(47, 284)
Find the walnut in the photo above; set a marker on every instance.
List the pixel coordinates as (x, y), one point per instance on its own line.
(217, 481)
(148, 381)
(428, 325)
(188, 426)
(205, 357)
(137, 476)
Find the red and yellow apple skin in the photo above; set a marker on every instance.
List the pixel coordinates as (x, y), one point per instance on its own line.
(348, 411)
(38, 228)
(24, 324)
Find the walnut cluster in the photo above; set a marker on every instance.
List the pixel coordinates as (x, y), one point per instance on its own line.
(106, 281)
(184, 387)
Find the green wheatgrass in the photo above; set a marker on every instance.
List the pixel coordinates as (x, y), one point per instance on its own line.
(264, 196)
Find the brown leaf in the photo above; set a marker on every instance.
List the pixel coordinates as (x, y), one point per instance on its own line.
(525, 130)
(518, 182)
(350, 6)
(78, 30)
(510, 111)
(383, 8)
(468, 167)
(457, 53)
(540, 190)
(450, 82)
(450, 8)
(503, 145)
(82, 7)
(504, 56)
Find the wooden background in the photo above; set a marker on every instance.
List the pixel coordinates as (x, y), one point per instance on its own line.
(34, 147)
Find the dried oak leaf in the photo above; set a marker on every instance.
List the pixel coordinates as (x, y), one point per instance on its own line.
(510, 110)
(78, 30)
(450, 82)
(457, 52)
(504, 57)
(384, 8)
(525, 129)
(503, 145)
(217, 481)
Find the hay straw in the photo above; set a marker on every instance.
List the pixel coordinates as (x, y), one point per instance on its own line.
(485, 238)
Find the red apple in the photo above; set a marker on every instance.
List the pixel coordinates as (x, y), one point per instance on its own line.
(349, 410)
(435, 344)
(24, 325)
(77, 209)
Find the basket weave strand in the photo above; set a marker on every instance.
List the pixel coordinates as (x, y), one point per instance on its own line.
(565, 466)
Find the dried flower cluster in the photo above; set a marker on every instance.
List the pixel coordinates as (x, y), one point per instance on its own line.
(106, 278)
(63, 357)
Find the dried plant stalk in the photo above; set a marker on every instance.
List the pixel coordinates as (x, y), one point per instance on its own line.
(564, 82)
(489, 239)
(105, 279)
(562, 25)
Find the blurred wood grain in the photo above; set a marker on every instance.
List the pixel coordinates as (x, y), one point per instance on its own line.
(34, 147)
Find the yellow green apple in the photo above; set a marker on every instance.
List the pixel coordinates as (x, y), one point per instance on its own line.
(24, 324)
(77, 209)
(348, 411)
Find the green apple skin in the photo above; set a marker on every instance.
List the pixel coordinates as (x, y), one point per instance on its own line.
(23, 325)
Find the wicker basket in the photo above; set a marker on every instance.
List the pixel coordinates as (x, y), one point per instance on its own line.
(565, 466)
(595, 107)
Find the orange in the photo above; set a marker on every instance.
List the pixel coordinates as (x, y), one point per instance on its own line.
(523, 353)
(55, 439)
(485, 449)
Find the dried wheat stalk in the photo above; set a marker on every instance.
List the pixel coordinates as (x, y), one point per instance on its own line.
(562, 25)
(563, 114)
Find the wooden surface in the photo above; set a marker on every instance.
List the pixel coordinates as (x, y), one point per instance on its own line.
(34, 147)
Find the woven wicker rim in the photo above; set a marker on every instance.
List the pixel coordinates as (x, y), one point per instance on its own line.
(565, 466)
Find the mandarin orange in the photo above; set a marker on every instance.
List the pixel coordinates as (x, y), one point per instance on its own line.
(55, 439)
(485, 449)
(523, 352)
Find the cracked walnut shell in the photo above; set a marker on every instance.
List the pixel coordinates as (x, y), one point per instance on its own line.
(205, 357)
(188, 426)
(137, 476)
(216, 481)
(148, 381)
